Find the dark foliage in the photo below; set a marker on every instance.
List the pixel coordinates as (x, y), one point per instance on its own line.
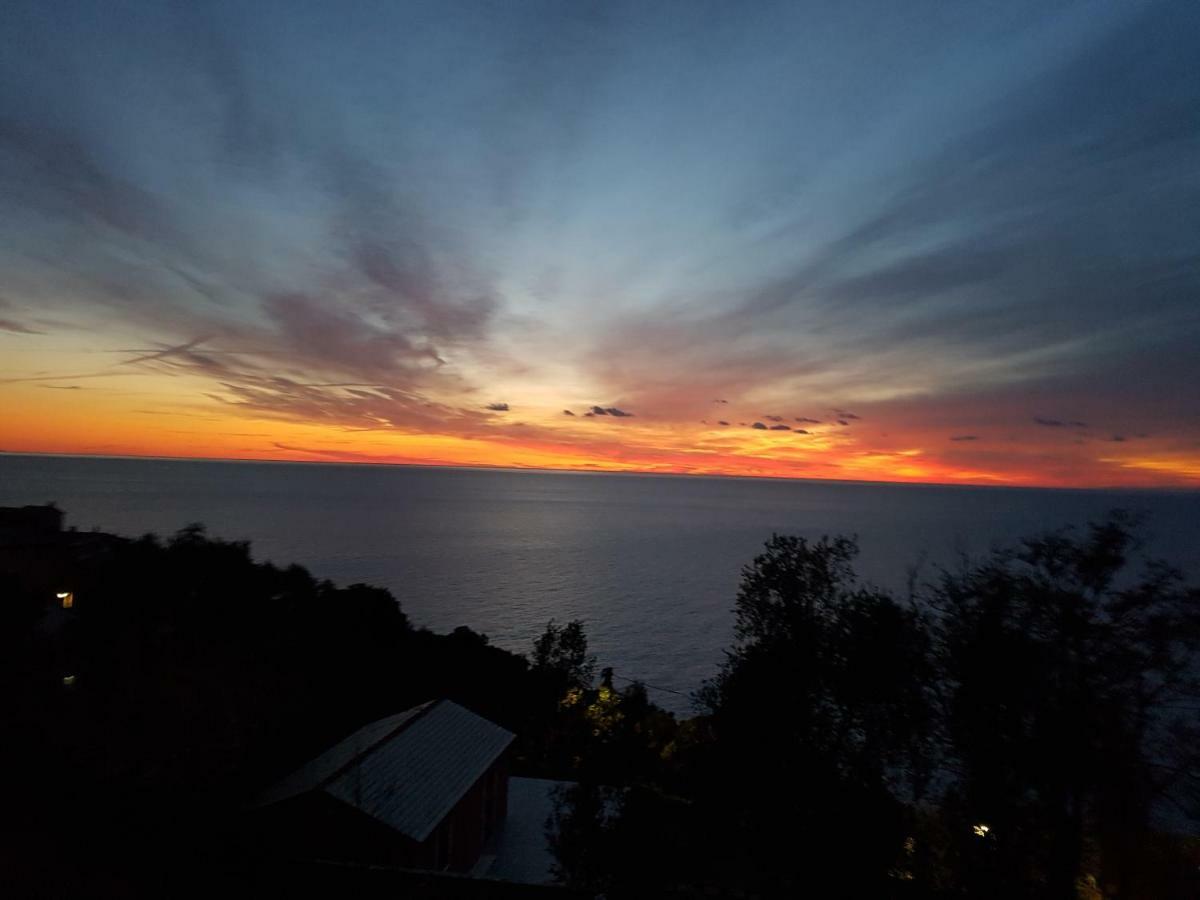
(1027, 726)
(1072, 697)
(196, 676)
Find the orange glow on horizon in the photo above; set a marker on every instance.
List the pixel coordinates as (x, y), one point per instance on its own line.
(138, 414)
(82, 425)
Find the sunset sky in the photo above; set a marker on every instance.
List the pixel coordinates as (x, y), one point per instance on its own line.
(947, 242)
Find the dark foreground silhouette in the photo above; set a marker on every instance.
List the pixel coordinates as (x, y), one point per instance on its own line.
(1025, 726)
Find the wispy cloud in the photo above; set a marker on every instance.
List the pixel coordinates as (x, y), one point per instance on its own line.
(277, 235)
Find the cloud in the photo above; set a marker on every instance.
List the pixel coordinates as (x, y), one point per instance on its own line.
(567, 412)
(723, 422)
(346, 271)
(773, 418)
(17, 328)
(354, 456)
(408, 275)
(609, 411)
(780, 428)
(1058, 423)
(965, 437)
(497, 407)
(175, 350)
(977, 266)
(12, 325)
(760, 426)
(800, 431)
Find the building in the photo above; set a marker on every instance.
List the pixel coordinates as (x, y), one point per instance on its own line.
(30, 524)
(38, 557)
(423, 789)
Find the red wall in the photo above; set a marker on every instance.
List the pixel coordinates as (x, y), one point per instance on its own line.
(458, 841)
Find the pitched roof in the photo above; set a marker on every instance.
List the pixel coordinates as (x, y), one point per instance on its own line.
(406, 771)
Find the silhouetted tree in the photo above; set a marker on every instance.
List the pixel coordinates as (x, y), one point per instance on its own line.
(822, 709)
(561, 652)
(1072, 708)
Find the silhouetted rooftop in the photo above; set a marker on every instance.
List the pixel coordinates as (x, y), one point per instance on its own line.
(406, 771)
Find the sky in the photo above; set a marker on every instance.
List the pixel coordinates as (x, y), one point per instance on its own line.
(932, 242)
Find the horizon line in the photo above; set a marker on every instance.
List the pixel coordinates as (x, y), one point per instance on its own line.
(482, 467)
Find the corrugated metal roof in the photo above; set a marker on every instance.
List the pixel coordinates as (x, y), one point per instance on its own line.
(407, 770)
(313, 774)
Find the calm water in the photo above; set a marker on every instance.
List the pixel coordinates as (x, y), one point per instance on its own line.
(650, 563)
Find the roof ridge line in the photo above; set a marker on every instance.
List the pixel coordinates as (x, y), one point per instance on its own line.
(359, 757)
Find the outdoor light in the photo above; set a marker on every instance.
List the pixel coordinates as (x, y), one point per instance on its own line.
(67, 598)
(68, 680)
(980, 830)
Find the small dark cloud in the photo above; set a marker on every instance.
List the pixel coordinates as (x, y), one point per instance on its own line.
(965, 437)
(1118, 438)
(843, 414)
(610, 411)
(842, 422)
(800, 431)
(773, 418)
(781, 428)
(760, 426)
(567, 412)
(722, 422)
(804, 420)
(588, 415)
(62, 387)
(720, 401)
(1058, 423)
(497, 407)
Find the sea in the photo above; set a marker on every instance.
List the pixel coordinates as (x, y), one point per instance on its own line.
(650, 563)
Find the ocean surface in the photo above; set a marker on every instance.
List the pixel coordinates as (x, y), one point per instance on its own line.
(650, 563)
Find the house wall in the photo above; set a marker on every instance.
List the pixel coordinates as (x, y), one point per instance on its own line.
(456, 844)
